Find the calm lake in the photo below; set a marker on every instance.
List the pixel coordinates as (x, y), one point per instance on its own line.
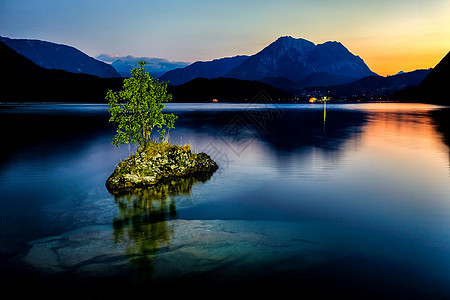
(350, 199)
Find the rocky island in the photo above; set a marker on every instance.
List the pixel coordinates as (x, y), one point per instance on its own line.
(136, 111)
(159, 163)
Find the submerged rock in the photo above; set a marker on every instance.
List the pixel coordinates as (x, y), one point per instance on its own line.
(157, 164)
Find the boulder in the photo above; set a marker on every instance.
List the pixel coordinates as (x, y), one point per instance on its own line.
(158, 164)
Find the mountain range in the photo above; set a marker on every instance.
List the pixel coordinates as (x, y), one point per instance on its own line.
(156, 67)
(226, 90)
(26, 81)
(56, 56)
(287, 62)
(330, 69)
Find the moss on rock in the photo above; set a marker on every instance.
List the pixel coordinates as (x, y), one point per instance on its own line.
(160, 162)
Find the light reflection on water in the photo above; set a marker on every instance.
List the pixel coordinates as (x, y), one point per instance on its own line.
(371, 185)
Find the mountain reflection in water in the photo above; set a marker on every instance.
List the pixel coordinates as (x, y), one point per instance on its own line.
(287, 130)
(441, 119)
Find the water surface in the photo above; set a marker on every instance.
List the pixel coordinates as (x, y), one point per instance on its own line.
(354, 200)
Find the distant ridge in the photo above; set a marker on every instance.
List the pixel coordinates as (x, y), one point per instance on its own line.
(323, 79)
(226, 90)
(204, 69)
(57, 56)
(375, 85)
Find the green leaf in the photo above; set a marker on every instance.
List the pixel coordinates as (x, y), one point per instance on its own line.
(137, 108)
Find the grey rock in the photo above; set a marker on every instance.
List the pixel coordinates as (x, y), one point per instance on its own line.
(144, 169)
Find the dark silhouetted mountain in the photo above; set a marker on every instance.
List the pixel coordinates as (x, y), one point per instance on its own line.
(205, 69)
(435, 87)
(23, 80)
(441, 118)
(156, 67)
(295, 59)
(55, 56)
(14, 64)
(281, 83)
(323, 79)
(373, 85)
(315, 79)
(225, 90)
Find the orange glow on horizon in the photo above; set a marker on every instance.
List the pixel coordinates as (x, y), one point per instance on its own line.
(406, 62)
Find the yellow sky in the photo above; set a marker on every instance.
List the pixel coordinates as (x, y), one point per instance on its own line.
(390, 36)
(417, 39)
(391, 54)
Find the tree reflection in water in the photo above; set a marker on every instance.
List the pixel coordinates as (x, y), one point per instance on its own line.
(141, 222)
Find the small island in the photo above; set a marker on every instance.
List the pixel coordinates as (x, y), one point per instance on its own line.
(159, 163)
(136, 110)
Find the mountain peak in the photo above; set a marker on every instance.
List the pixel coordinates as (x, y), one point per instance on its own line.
(334, 47)
(289, 38)
(333, 43)
(286, 43)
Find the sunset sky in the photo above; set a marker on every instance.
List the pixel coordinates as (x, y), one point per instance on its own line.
(390, 36)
